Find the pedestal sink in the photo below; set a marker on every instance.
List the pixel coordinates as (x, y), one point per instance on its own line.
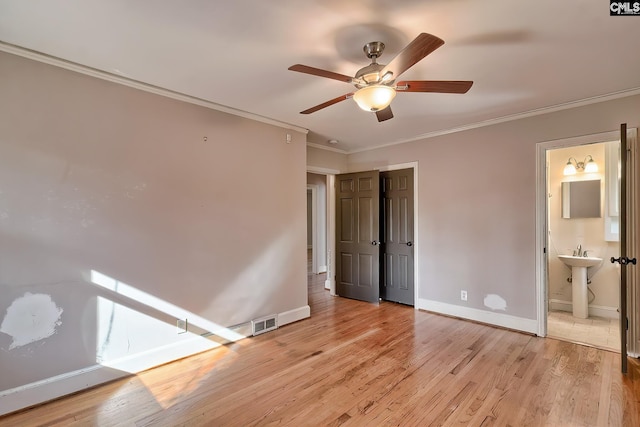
(579, 292)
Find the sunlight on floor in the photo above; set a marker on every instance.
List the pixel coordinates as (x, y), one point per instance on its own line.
(169, 393)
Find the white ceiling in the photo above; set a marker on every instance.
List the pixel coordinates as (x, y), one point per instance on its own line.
(523, 56)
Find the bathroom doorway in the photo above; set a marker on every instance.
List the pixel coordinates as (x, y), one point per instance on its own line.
(559, 235)
(582, 309)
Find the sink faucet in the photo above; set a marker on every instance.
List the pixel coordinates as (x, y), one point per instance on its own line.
(579, 250)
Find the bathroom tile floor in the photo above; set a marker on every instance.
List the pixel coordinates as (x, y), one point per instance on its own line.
(597, 332)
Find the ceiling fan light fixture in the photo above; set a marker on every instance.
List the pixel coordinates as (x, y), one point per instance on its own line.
(388, 76)
(371, 78)
(375, 97)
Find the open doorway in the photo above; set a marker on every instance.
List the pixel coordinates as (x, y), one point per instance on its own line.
(317, 222)
(583, 300)
(560, 237)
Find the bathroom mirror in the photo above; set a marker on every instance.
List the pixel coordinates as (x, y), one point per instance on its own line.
(581, 199)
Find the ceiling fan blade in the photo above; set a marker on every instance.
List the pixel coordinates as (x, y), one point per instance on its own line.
(385, 114)
(327, 104)
(441, 86)
(321, 73)
(420, 47)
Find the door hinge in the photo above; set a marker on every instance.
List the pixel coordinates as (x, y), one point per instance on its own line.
(626, 327)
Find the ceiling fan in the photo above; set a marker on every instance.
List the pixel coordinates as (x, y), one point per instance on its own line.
(376, 83)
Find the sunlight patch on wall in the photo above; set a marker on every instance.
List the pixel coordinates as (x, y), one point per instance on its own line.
(132, 338)
(126, 336)
(156, 303)
(31, 318)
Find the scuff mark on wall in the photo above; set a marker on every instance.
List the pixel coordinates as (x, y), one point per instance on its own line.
(495, 302)
(31, 318)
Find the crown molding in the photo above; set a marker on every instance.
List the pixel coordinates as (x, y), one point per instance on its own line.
(103, 75)
(512, 117)
(135, 84)
(324, 147)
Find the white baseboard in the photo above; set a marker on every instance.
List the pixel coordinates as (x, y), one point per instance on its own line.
(70, 382)
(41, 391)
(489, 317)
(294, 315)
(31, 394)
(594, 310)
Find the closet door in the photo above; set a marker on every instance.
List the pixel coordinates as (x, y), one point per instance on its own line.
(357, 236)
(397, 236)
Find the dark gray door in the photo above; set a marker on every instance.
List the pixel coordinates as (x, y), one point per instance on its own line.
(357, 236)
(397, 236)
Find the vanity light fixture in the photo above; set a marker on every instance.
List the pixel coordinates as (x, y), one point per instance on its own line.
(587, 165)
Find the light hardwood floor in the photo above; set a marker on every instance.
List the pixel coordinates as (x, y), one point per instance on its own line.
(359, 364)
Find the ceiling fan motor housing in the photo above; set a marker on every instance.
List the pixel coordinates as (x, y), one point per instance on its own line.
(369, 74)
(373, 50)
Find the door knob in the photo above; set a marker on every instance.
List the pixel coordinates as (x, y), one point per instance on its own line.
(375, 243)
(623, 260)
(409, 244)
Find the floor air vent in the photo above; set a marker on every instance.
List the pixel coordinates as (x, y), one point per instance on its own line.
(264, 324)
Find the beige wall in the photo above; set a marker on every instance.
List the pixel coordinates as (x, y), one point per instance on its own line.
(326, 160)
(477, 203)
(98, 176)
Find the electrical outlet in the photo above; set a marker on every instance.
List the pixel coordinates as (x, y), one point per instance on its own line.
(463, 295)
(181, 326)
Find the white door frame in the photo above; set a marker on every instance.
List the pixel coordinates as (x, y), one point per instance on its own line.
(314, 227)
(541, 213)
